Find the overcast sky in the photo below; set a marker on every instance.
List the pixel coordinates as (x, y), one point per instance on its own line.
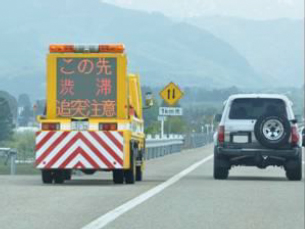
(256, 9)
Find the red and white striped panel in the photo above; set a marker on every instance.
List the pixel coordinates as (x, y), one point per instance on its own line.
(79, 150)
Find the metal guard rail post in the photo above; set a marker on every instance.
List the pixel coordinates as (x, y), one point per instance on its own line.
(10, 154)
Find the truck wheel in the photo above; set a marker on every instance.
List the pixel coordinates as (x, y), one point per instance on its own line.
(221, 167)
(130, 174)
(294, 169)
(47, 176)
(118, 176)
(139, 166)
(139, 173)
(68, 174)
(59, 176)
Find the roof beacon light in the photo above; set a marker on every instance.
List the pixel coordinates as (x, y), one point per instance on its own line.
(119, 48)
(110, 48)
(61, 48)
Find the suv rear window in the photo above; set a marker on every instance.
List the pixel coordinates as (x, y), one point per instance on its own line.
(253, 108)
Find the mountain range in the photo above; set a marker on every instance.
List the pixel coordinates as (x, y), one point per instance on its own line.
(159, 48)
(274, 48)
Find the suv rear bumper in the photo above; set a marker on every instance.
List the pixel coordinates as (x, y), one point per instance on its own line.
(282, 153)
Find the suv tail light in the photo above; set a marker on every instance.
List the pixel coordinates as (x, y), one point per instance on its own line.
(294, 135)
(50, 126)
(108, 126)
(221, 134)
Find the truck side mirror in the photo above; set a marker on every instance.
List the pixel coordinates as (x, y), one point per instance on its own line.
(217, 117)
(149, 100)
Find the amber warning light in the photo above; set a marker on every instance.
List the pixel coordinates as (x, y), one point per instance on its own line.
(111, 48)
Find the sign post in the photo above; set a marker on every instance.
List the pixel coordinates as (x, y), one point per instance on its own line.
(162, 119)
(171, 94)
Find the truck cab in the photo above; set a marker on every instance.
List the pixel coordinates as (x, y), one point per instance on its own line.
(93, 120)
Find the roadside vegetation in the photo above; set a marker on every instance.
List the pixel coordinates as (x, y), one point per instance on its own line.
(201, 104)
(24, 143)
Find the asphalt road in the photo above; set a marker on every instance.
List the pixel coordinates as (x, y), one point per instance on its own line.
(250, 198)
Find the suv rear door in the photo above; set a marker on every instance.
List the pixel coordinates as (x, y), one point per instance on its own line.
(242, 116)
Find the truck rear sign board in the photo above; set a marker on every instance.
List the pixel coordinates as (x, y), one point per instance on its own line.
(86, 87)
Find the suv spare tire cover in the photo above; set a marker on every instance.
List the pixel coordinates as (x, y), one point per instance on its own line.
(272, 131)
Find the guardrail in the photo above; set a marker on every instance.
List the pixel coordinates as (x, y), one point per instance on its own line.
(9, 155)
(159, 147)
(196, 140)
(155, 147)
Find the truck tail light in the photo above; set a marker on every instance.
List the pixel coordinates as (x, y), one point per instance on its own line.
(108, 126)
(50, 126)
(221, 134)
(294, 135)
(110, 48)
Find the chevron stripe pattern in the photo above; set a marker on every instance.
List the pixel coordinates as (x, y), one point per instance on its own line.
(79, 150)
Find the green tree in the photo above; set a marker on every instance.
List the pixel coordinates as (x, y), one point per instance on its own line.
(6, 120)
(175, 125)
(24, 143)
(25, 116)
(153, 128)
(24, 100)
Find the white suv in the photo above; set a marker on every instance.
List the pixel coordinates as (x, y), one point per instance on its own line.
(257, 130)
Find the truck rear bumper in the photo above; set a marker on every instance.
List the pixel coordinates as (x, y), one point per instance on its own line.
(79, 150)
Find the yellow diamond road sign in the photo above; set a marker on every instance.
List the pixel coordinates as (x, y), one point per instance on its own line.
(171, 94)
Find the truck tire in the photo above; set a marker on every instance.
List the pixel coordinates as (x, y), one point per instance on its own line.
(294, 169)
(139, 168)
(47, 176)
(68, 174)
(130, 174)
(272, 131)
(59, 176)
(221, 167)
(139, 173)
(118, 176)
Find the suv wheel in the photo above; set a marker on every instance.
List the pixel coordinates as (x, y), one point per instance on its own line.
(221, 166)
(294, 169)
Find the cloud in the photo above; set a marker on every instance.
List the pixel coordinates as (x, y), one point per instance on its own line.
(257, 9)
(286, 2)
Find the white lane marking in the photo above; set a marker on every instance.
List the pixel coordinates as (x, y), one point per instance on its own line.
(107, 218)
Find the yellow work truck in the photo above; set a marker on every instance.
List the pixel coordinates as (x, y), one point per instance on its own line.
(93, 119)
